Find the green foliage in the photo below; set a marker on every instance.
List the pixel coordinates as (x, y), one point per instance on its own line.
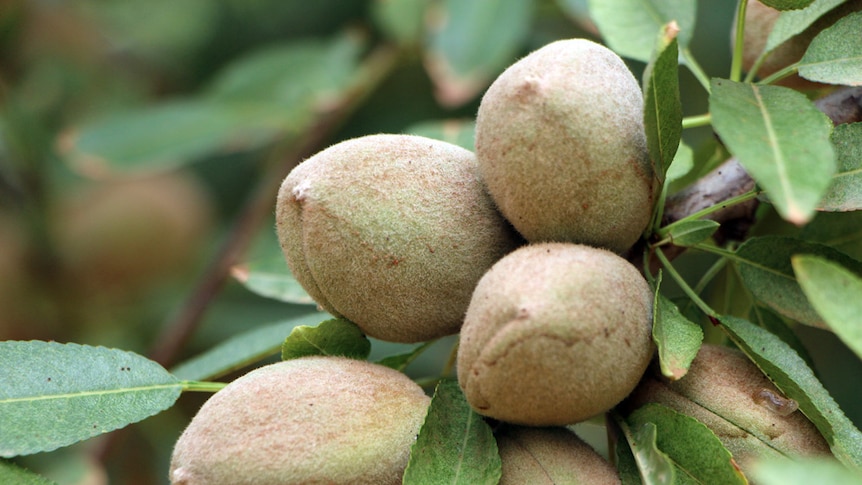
(237, 93)
(71, 392)
(337, 336)
(455, 445)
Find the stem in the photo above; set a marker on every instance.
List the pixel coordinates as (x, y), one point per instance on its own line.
(259, 205)
(684, 285)
(709, 210)
(695, 68)
(749, 77)
(696, 121)
(781, 74)
(707, 277)
(736, 63)
(201, 386)
(450, 362)
(724, 253)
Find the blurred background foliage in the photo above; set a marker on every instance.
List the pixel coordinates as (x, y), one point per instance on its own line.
(141, 145)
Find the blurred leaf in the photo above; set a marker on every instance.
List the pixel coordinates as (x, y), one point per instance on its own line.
(797, 381)
(272, 278)
(336, 336)
(803, 471)
(682, 163)
(401, 20)
(792, 22)
(455, 445)
(689, 233)
(780, 138)
(654, 466)
(241, 350)
(269, 94)
(840, 230)
(766, 269)
(15, 475)
(401, 361)
(456, 132)
(677, 338)
(786, 4)
(845, 191)
(835, 293)
(629, 26)
(662, 105)
(625, 461)
(53, 394)
(835, 55)
(693, 448)
(471, 42)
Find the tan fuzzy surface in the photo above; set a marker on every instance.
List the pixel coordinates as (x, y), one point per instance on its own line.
(555, 333)
(725, 391)
(550, 456)
(391, 232)
(315, 420)
(560, 141)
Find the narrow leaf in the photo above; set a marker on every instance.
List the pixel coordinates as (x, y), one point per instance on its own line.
(835, 293)
(797, 381)
(804, 471)
(835, 55)
(662, 105)
(13, 474)
(471, 42)
(839, 230)
(655, 467)
(770, 321)
(780, 138)
(455, 445)
(625, 460)
(689, 233)
(793, 22)
(692, 447)
(401, 361)
(336, 336)
(677, 338)
(683, 162)
(242, 349)
(53, 394)
(845, 191)
(765, 267)
(786, 4)
(629, 26)
(271, 278)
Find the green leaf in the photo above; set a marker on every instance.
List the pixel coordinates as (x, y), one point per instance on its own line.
(792, 376)
(835, 293)
(845, 191)
(768, 320)
(793, 22)
(401, 20)
(471, 42)
(242, 349)
(271, 278)
(336, 336)
(786, 4)
(53, 394)
(682, 163)
(401, 361)
(803, 471)
(662, 105)
(270, 94)
(455, 445)
(12, 474)
(766, 269)
(629, 26)
(694, 449)
(626, 464)
(655, 467)
(456, 132)
(840, 230)
(677, 338)
(835, 55)
(780, 138)
(689, 233)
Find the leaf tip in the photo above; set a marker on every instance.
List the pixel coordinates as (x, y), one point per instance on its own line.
(240, 272)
